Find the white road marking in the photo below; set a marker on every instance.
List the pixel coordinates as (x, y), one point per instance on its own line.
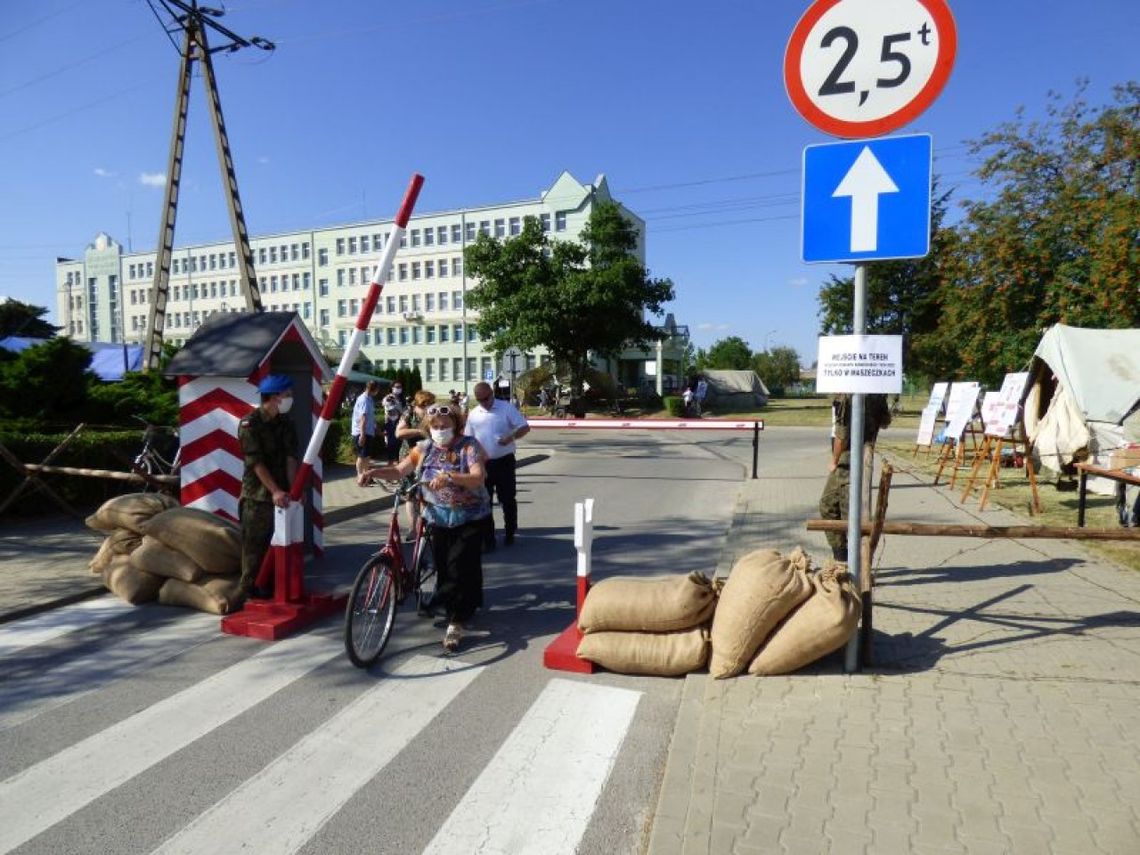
(37, 798)
(539, 790)
(279, 809)
(22, 700)
(45, 627)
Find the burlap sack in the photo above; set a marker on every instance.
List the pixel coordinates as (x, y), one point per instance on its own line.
(761, 590)
(216, 595)
(122, 541)
(661, 654)
(210, 541)
(127, 583)
(660, 604)
(822, 624)
(130, 511)
(155, 557)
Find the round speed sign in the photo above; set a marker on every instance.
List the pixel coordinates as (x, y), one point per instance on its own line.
(857, 68)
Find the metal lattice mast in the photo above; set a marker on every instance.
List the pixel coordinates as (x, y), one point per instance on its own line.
(193, 21)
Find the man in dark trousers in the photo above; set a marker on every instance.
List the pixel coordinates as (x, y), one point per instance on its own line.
(497, 424)
(269, 444)
(833, 504)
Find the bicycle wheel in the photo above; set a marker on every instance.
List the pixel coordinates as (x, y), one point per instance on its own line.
(424, 572)
(370, 611)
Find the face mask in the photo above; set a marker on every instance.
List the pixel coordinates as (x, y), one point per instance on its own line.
(286, 405)
(396, 390)
(442, 436)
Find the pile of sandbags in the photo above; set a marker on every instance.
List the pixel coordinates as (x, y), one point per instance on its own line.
(775, 615)
(157, 550)
(656, 626)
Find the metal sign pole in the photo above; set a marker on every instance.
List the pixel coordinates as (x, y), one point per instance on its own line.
(855, 452)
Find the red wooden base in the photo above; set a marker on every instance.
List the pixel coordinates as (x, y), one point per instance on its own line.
(270, 620)
(562, 653)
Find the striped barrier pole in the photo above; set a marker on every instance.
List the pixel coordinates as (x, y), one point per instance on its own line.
(283, 559)
(562, 653)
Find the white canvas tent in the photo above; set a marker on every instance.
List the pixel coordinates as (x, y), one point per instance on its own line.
(735, 389)
(1083, 395)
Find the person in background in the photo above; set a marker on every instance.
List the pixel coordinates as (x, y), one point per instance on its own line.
(412, 430)
(496, 424)
(456, 506)
(394, 407)
(364, 426)
(699, 394)
(834, 503)
(268, 441)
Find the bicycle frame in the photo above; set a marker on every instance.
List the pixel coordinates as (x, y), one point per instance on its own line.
(393, 548)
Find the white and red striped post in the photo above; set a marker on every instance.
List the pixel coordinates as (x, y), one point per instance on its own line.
(291, 608)
(562, 653)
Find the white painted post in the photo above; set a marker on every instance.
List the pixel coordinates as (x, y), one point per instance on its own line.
(584, 544)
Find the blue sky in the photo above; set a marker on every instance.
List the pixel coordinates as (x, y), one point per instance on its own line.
(681, 105)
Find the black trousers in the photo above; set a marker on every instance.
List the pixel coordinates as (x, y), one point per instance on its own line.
(459, 565)
(501, 481)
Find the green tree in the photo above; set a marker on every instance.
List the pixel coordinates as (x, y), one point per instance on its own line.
(46, 383)
(778, 367)
(726, 353)
(24, 319)
(1055, 238)
(570, 297)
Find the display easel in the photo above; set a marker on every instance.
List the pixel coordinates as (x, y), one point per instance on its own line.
(929, 418)
(1004, 429)
(961, 411)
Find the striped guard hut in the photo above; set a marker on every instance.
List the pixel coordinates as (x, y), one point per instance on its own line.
(217, 372)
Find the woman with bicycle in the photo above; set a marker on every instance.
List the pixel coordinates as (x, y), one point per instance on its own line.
(455, 506)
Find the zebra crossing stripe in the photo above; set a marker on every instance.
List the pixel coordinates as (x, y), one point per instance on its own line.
(37, 798)
(48, 626)
(539, 790)
(24, 700)
(280, 808)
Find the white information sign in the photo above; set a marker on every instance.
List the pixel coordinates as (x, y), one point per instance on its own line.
(991, 414)
(938, 396)
(960, 408)
(1009, 397)
(926, 426)
(860, 364)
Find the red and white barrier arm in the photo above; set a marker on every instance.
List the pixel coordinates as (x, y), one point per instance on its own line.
(647, 424)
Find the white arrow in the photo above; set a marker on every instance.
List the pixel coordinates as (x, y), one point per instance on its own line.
(864, 181)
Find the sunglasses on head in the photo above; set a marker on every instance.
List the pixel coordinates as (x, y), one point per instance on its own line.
(439, 410)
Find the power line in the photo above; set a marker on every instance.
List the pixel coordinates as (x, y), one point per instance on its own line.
(61, 69)
(39, 21)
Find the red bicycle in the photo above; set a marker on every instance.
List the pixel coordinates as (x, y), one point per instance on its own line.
(385, 581)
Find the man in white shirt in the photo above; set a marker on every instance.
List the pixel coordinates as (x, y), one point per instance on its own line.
(496, 424)
(364, 425)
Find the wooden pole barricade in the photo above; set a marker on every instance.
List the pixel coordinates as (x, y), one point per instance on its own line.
(30, 478)
(1011, 532)
(562, 653)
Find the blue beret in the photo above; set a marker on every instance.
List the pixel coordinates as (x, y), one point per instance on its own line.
(274, 384)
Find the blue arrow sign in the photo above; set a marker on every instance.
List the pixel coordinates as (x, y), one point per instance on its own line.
(867, 200)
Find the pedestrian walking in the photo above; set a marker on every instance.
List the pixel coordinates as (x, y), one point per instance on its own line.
(364, 426)
(394, 406)
(496, 424)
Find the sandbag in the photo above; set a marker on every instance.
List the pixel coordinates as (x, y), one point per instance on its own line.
(661, 654)
(127, 583)
(761, 590)
(659, 604)
(122, 541)
(210, 541)
(216, 595)
(155, 557)
(822, 624)
(130, 511)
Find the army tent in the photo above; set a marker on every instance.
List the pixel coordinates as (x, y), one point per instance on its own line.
(735, 390)
(1083, 395)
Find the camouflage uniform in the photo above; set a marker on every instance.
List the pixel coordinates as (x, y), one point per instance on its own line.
(271, 441)
(833, 504)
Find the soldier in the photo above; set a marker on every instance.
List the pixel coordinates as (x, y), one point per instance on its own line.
(833, 504)
(269, 442)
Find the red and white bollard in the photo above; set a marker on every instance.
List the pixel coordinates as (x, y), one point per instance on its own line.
(562, 653)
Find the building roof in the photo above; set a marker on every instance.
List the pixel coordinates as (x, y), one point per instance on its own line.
(234, 344)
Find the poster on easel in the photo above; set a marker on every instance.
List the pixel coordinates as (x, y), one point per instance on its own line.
(960, 407)
(992, 414)
(1009, 398)
(926, 425)
(938, 396)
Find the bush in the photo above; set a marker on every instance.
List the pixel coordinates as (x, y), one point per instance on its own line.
(675, 405)
(337, 446)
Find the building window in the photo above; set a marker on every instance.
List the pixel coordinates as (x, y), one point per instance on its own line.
(443, 369)
(485, 363)
(324, 318)
(306, 310)
(354, 307)
(365, 242)
(429, 370)
(431, 334)
(443, 301)
(377, 242)
(402, 269)
(559, 221)
(442, 267)
(390, 304)
(415, 270)
(516, 226)
(457, 368)
(415, 237)
(352, 276)
(457, 300)
(429, 237)
(472, 333)
(457, 333)
(456, 233)
(322, 257)
(441, 235)
(403, 304)
(272, 255)
(403, 240)
(305, 251)
(444, 333)
(391, 335)
(429, 270)
(322, 287)
(342, 337)
(457, 266)
(403, 335)
(340, 278)
(306, 280)
(470, 232)
(429, 302)
(417, 335)
(340, 246)
(352, 246)
(341, 308)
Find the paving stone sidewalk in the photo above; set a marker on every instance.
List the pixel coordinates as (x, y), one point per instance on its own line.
(1001, 716)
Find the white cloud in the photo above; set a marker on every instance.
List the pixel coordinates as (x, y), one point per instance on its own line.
(799, 282)
(263, 159)
(103, 173)
(708, 327)
(152, 179)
